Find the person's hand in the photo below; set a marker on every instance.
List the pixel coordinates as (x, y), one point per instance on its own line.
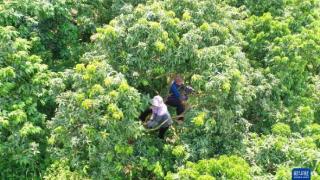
(184, 98)
(145, 124)
(184, 103)
(189, 90)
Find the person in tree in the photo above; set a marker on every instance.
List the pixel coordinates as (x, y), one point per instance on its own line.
(160, 117)
(176, 98)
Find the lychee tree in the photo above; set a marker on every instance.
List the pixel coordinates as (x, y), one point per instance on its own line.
(24, 89)
(94, 126)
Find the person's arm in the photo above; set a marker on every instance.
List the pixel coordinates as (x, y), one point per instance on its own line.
(175, 91)
(143, 116)
(154, 121)
(157, 120)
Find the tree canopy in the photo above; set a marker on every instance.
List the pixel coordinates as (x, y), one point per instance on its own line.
(75, 76)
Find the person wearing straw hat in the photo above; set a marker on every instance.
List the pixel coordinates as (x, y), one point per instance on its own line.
(160, 116)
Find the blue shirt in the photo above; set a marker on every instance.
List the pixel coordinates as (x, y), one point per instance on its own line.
(174, 90)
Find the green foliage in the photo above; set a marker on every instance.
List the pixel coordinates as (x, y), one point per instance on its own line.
(139, 43)
(282, 51)
(262, 31)
(283, 173)
(313, 129)
(254, 65)
(62, 29)
(49, 24)
(23, 83)
(281, 129)
(90, 118)
(302, 13)
(205, 47)
(271, 152)
(232, 167)
(275, 7)
(61, 170)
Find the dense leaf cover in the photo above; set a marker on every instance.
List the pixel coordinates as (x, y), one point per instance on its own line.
(75, 75)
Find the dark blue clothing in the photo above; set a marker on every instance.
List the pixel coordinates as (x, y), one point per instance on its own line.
(175, 98)
(174, 91)
(177, 104)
